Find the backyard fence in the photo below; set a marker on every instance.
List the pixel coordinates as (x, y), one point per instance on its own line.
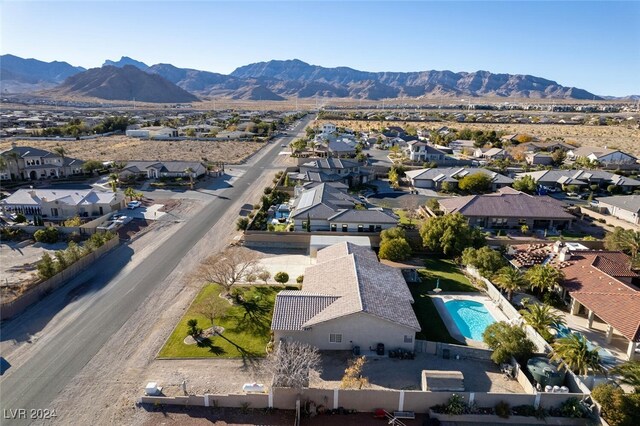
(510, 311)
(361, 400)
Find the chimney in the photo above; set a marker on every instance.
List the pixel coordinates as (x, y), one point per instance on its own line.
(32, 192)
(557, 246)
(565, 254)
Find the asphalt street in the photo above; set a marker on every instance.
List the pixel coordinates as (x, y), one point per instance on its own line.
(118, 291)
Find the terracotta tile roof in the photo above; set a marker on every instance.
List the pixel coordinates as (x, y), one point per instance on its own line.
(581, 274)
(621, 311)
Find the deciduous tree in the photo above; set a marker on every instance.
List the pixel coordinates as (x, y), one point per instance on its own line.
(291, 363)
(228, 267)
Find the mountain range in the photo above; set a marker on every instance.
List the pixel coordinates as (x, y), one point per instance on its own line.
(273, 80)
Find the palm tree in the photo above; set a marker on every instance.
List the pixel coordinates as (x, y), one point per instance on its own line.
(130, 192)
(630, 372)
(544, 277)
(625, 240)
(62, 153)
(3, 163)
(574, 351)
(541, 317)
(509, 279)
(189, 172)
(113, 181)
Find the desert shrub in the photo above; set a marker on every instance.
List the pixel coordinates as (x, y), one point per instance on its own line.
(46, 267)
(48, 235)
(503, 409)
(300, 279)
(281, 277)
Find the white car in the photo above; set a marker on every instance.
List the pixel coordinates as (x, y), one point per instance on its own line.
(134, 205)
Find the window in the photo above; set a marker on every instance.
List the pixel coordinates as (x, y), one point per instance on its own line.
(408, 339)
(371, 228)
(334, 227)
(360, 228)
(345, 227)
(335, 338)
(378, 228)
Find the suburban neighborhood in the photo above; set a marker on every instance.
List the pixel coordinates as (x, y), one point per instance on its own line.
(225, 213)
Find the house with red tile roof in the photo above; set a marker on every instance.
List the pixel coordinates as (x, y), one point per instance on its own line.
(605, 285)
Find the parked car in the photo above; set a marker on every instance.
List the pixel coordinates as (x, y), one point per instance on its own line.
(572, 194)
(283, 145)
(134, 205)
(583, 196)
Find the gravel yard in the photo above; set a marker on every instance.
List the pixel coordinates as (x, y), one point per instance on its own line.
(123, 148)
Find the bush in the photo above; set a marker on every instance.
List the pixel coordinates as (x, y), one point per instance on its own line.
(281, 277)
(507, 341)
(46, 267)
(618, 408)
(503, 409)
(242, 223)
(300, 279)
(48, 235)
(394, 249)
(554, 299)
(20, 218)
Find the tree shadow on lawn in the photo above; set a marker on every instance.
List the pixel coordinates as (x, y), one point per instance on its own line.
(249, 358)
(256, 319)
(208, 343)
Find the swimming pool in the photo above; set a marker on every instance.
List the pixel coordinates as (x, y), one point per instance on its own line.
(471, 318)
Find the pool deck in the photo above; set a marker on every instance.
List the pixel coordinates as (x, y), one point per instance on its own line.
(439, 301)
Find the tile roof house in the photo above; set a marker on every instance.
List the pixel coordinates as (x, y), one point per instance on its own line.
(490, 153)
(434, 178)
(158, 169)
(423, 151)
(604, 156)
(329, 208)
(27, 163)
(624, 207)
(582, 178)
(60, 204)
(348, 299)
(510, 210)
(604, 284)
(333, 169)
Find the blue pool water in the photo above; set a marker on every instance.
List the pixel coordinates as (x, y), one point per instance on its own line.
(470, 317)
(605, 356)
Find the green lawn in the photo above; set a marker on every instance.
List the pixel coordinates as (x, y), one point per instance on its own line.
(246, 326)
(451, 279)
(404, 220)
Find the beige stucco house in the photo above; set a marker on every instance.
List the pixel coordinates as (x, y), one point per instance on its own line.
(348, 299)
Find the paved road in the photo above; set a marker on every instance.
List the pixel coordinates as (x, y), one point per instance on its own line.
(112, 292)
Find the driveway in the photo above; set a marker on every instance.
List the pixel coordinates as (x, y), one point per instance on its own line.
(151, 212)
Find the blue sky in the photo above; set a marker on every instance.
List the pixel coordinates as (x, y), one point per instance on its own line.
(591, 45)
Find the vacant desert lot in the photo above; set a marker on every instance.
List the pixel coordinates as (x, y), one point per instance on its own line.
(122, 148)
(622, 137)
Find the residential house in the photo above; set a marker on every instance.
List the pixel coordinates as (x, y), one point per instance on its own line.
(61, 204)
(328, 128)
(490, 154)
(423, 151)
(151, 132)
(624, 207)
(27, 163)
(462, 145)
(538, 158)
(545, 146)
(348, 299)
(510, 210)
(160, 169)
(558, 178)
(333, 169)
(328, 208)
(603, 283)
(609, 158)
(433, 178)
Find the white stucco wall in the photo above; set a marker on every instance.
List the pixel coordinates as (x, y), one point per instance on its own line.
(359, 329)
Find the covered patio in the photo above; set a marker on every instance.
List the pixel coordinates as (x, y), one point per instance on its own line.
(611, 320)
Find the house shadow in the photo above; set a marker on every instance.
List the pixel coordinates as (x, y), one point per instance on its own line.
(4, 365)
(225, 415)
(32, 320)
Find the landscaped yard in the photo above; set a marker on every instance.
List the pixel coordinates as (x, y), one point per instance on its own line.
(405, 220)
(451, 279)
(246, 325)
